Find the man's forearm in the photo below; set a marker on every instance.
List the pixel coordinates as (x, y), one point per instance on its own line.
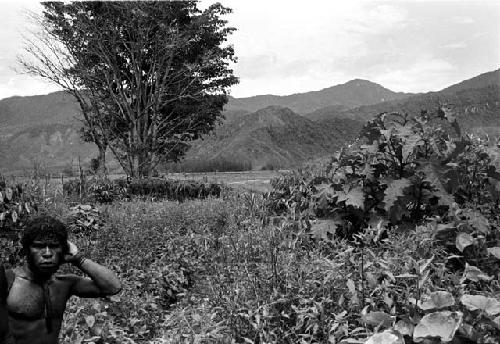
(104, 278)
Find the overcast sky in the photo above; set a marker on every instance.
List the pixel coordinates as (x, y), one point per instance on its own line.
(291, 46)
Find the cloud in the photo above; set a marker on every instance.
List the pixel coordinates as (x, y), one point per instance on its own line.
(24, 85)
(456, 45)
(265, 66)
(462, 20)
(377, 20)
(428, 73)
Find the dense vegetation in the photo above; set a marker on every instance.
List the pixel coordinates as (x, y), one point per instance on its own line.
(395, 239)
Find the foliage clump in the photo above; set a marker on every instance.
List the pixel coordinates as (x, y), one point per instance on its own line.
(107, 191)
(407, 176)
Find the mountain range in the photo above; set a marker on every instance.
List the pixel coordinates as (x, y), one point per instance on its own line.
(353, 93)
(265, 130)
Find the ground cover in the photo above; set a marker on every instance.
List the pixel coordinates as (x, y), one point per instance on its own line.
(349, 251)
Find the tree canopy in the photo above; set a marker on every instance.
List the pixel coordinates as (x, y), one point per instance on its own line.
(149, 76)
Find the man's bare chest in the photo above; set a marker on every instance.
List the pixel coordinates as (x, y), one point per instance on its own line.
(31, 300)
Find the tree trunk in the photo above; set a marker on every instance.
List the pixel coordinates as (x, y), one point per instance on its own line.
(101, 159)
(144, 165)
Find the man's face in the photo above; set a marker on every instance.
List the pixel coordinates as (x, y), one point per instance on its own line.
(45, 255)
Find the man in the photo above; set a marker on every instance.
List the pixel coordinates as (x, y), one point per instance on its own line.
(37, 296)
(5, 335)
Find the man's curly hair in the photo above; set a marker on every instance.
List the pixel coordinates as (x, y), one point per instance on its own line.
(44, 227)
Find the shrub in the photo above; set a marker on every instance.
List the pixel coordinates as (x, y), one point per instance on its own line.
(15, 205)
(176, 190)
(427, 195)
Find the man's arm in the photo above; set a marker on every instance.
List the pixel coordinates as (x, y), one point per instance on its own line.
(102, 280)
(4, 316)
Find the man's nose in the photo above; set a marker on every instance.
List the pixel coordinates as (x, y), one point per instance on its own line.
(46, 252)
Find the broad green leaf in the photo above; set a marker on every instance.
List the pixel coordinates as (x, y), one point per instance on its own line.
(2, 216)
(438, 324)
(495, 251)
(423, 264)
(436, 300)
(494, 154)
(463, 240)
(449, 114)
(406, 275)
(409, 144)
(321, 228)
(386, 337)
(324, 189)
(90, 320)
(378, 319)
(432, 176)
(368, 171)
(355, 197)
(1, 197)
(394, 190)
(14, 216)
(402, 132)
(496, 321)
(405, 327)
(489, 305)
(474, 274)
(373, 148)
(8, 193)
(352, 289)
(478, 221)
(352, 341)
(387, 133)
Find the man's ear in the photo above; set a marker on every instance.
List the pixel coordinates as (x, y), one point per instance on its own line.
(65, 248)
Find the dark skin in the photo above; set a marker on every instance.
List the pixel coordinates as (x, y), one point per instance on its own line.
(38, 296)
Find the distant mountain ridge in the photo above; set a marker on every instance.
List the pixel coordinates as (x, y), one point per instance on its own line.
(475, 101)
(351, 94)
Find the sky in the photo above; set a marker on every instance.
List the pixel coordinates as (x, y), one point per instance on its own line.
(292, 46)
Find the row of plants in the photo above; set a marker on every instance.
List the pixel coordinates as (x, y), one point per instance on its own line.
(106, 191)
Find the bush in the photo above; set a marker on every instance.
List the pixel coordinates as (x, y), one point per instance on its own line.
(96, 190)
(15, 205)
(175, 190)
(106, 191)
(426, 195)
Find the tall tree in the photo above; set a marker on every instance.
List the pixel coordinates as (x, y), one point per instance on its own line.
(152, 75)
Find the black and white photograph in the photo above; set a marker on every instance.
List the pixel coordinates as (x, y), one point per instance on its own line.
(250, 172)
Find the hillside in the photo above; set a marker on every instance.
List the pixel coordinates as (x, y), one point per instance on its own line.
(475, 101)
(19, 113)
(53, 147)
(273, 135)
(483, 80)
(351, 94)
